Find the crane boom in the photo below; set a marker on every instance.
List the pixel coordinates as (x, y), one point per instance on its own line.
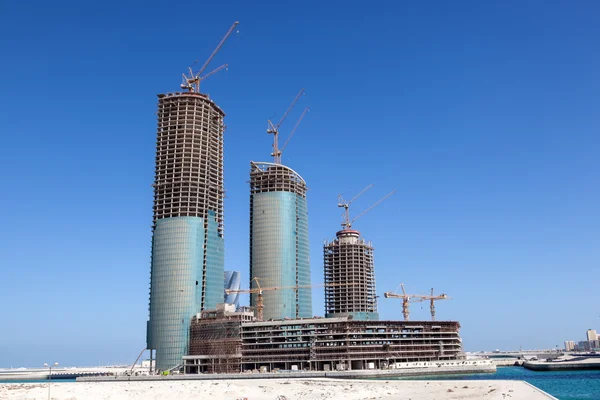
(274, 129)
(346, 205)
(192, 82)
(348, 224)
(293, 130)
(214, 53)
(406, 299)
(432, 300)
(214, 71)
(290, 108)
(361, 193)
(415, 298)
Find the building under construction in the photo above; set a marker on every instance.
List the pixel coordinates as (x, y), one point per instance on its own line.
(349, 270)
(187, 246)
(224, 341)
(279, 247)
(187, 266)
(349, 277)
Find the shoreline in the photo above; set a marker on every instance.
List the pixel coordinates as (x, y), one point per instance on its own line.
(289, 389)
(408, 370)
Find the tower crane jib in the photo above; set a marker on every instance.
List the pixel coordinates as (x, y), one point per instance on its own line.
(192, 82)
(274, 129)
(415, 298)
(347, 223)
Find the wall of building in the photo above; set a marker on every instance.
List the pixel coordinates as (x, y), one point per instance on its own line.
(592, 334)
(279, 246)
(187, 246)
(176, 292)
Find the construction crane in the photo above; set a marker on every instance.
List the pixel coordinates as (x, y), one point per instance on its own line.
(432, 298)
(192, 81)
(347, 223)
(292, 133)
(258, 290)
(406, 299)
(274, 129)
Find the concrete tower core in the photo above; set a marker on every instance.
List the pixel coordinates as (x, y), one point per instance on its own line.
(187, 245)
(348, 262)
(279, 248)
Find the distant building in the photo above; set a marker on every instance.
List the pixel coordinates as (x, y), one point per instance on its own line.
(594, 344)
(583, 346)
(592, 334)
(569, 345)
(232, 282)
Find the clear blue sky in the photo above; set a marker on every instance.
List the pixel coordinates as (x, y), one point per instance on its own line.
(483, 115)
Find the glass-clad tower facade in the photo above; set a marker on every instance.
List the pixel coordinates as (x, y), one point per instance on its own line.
(186, 274)
(279, 249)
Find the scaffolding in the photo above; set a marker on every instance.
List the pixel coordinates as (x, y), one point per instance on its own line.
(216, 336)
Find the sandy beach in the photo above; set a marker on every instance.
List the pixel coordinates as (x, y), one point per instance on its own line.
(274, 389)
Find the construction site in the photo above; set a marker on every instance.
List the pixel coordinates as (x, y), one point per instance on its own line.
(229, 341)
(196, 323)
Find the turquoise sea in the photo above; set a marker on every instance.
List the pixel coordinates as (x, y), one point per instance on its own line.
(564, 385)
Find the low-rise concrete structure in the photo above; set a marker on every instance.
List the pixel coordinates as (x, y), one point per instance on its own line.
(223, 341)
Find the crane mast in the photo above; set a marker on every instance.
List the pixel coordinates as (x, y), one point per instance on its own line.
(415, 298)
(406, 300)
(432, 298)
(274, 129)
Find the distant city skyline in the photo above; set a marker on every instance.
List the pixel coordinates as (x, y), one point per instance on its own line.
(591, 342)
(484, 117)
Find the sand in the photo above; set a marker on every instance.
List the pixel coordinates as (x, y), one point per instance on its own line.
(276, 389)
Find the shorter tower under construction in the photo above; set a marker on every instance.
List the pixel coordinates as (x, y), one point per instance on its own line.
(348, 262)
(349, 270)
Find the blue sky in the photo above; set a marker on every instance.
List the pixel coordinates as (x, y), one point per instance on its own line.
(482, 115)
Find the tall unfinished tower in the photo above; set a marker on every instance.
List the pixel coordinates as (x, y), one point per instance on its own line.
(186, 274)
(279, 248)
(349, 270)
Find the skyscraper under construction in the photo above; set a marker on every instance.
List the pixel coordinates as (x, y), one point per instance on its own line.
(349, 277)
(187, 243)
(279, 247)
(350, 271)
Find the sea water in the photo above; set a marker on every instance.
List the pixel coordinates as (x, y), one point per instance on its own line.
(564, 385)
